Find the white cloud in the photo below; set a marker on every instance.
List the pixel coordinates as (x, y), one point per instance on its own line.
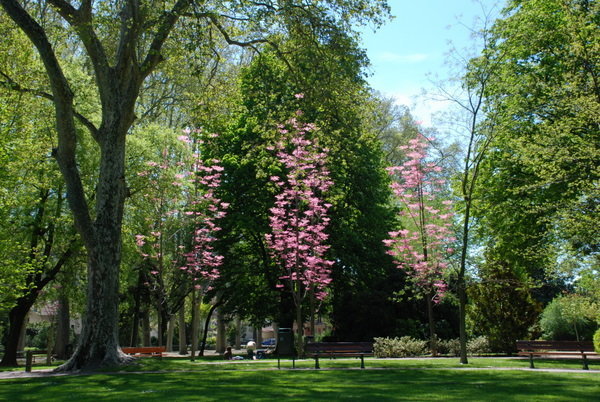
(422, 108)
(401, 58)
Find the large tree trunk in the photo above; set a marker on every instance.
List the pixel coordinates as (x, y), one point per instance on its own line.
(99, 342)
(23, 336)
(259, 337)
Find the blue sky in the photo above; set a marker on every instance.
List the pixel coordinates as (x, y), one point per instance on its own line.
(404, 51)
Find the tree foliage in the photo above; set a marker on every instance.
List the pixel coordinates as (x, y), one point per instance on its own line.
(542, 173)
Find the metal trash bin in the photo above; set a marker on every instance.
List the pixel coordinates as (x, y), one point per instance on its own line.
(285, 342)
(285, 346)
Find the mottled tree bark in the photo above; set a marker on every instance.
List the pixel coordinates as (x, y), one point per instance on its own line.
(182, 331)
(63, 326)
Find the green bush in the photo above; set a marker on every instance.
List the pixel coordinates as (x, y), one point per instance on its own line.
(211, 342)
(478, 346)
(475, 347)
(597, 341)
(399, 347)
(449, 347)
(37, 335)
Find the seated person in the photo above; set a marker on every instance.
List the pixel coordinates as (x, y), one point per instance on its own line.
(250, 347)
(228, 355)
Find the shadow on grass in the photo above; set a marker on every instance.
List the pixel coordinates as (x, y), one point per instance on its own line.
(380, 385)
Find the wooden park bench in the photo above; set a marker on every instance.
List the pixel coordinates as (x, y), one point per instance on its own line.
(156, 351)
(556, 348)
(339, 349)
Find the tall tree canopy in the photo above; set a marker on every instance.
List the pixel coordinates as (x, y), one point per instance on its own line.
(540, 179)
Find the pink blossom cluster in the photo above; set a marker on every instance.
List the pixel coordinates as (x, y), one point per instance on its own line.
(203, 262)
(421, 248)
(299, 218)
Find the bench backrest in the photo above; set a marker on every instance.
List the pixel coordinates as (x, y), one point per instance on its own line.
(340, 347)
(556, 345)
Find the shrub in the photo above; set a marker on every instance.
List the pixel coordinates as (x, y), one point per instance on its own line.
(211, 342)
(501, 305)
(597, 341)
(478, 346)
(399, 347)
(37, 335)
(449, 347)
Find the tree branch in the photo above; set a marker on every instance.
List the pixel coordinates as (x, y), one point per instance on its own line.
(165, 25)
(65, 123)
(130, 26)
(214, 20)
(14, 86)
(81, 21)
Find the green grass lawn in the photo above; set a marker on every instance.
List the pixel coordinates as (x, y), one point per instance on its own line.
(398, 379)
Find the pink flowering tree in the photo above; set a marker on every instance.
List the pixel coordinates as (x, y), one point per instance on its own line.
(422, 246)
(178, 243)
(298, 220)
(203, 262)
(164, 185)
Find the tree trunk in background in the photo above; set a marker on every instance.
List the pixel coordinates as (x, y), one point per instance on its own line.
(299, 331)
(135, 327)
(238, 332)
(170, 332)
(461, 282)
(23, 334)
(51, 340)
(182, 331)
(195, 323)
(206, 326)
(431, 319)
(221, 333)
(312, 314)
(146, 341)
(63, 327)
(259, 338)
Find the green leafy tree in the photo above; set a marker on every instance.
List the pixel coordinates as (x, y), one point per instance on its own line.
(540, 177)
(37, 235)
(360, 211)
(569, 317)
(501, 306)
